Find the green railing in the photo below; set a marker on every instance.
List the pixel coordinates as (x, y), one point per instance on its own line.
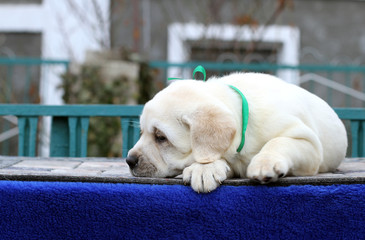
(31, 61)
(356, 131)
(256, 67)
(340, 86)
(70, 126)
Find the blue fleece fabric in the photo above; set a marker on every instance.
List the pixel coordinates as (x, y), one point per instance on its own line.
(66, 210)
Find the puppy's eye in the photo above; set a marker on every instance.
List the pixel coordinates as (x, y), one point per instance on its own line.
(160, 138)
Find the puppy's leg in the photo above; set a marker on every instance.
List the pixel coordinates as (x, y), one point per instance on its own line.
(283, 155)
(205, 177)
(212, 130)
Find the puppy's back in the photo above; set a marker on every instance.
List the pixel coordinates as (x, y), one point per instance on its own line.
(266, 93)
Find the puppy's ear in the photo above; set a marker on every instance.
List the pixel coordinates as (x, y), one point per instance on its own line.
(212, 131)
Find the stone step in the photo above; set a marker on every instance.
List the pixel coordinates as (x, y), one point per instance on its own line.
(115, 170)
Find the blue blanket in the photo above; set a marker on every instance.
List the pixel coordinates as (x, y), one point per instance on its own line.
(66, 210)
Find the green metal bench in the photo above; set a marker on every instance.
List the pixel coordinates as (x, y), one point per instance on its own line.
(69, 127)
(70, 124)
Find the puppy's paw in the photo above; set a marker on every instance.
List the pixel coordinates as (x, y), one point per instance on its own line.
(266, 168)
(206, 177)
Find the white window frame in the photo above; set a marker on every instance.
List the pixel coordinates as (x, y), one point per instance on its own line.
(179, 34)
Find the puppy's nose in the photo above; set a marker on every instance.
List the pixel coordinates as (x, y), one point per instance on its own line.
(132, 161)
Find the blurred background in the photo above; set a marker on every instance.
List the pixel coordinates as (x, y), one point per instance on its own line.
(122, 51)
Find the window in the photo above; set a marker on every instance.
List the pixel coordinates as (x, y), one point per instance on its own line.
(278, 44)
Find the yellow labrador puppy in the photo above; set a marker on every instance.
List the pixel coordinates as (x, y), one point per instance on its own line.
(195, 127)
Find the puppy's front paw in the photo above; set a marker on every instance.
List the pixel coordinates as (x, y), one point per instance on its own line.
(206, 177)
(267, 168)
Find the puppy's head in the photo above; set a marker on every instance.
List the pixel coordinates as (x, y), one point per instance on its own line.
(181, 125)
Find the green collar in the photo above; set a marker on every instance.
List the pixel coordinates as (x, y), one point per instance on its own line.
(245, 109)
(244, 116)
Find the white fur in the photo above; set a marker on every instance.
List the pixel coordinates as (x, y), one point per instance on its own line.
(290, 132)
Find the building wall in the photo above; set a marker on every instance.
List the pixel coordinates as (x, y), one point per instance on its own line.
(331, 31)
(48, 29)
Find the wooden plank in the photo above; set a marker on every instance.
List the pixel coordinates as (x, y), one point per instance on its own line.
(136, 130)
(126, 137)
(21, 137)
(72, 129)
(32, 140)
(351, 113)
(83, 140)
(361, 140)
(71, 110)
(59, 145)
(355, 127)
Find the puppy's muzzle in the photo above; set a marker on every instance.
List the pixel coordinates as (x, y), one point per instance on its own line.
(132, 161)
